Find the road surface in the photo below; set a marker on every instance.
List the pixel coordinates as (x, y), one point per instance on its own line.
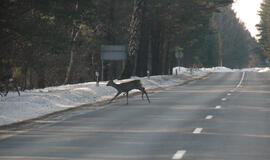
(223, 117)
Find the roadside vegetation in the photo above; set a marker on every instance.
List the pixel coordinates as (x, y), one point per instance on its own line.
(49, 43)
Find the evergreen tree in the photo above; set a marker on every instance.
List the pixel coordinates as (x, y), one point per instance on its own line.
(264, 28)
(237, 45)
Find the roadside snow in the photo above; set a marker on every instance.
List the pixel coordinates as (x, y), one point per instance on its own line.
(217, 69)
(38, 102)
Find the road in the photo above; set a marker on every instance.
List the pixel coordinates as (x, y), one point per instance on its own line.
(225, 116)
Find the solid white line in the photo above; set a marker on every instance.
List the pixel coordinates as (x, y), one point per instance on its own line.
(209, 117)
(243, 75)
(179, 154)
(218, 107)
(197, 131)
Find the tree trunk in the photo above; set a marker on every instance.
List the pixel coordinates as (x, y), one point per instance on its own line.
(149, 58)
(74, 34)
(165, 55)
(135, 33)
(71, 60)
(41, 78)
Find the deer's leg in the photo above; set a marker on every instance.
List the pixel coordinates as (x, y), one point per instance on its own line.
(6, 93)
(146, 95)
(1, 90)
(114, 97)
(18, 90)
(7, 90)
(127, 97)
(141, 89)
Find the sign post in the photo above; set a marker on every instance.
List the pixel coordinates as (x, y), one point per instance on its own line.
(179, 55)
(97, 80)
(112, 53)
(267, 62)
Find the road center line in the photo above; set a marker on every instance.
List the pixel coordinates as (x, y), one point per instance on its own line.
(209, 117)
(197, 131)
(243, 75)
(179, 154)
(218, 107)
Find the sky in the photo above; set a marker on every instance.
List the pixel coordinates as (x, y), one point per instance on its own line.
(247, 11)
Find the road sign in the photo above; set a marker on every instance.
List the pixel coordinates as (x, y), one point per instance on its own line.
(112, 53)
(179, 54)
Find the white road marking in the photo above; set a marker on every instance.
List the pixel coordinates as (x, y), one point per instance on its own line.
(243, 75)
(197, 131)
(209, 117)
(218, 107)
(224, 99)
(5, 136)
(179, 154)
(229, 94)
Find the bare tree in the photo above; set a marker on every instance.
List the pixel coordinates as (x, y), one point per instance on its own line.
(135, 33)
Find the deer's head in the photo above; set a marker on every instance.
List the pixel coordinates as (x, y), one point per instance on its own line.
(110, 83)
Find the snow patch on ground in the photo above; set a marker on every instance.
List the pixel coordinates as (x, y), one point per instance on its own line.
(217, 69)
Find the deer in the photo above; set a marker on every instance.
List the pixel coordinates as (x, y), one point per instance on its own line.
(6, 85)
(126, 87)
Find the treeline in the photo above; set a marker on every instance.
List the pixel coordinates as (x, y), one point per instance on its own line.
(46, 43)
(238, 48)
(264, 28)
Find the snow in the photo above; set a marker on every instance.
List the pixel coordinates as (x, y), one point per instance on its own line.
(38, 102)
(218, 69)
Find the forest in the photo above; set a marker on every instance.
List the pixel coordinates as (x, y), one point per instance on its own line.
(48, 43)
(264, 28)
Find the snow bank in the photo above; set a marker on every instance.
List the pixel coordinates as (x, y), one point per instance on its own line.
(260, 70)
(198, 70)
(177, 70)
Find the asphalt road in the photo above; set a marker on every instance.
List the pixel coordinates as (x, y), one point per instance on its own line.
(223, 117)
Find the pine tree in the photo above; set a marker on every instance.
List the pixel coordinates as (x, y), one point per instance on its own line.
(264, 28)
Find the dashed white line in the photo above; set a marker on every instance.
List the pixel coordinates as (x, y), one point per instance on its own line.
(209, 117)
(197, 131)
(179, 154)
(218, 107)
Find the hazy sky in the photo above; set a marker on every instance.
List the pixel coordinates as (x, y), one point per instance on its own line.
(247, 11)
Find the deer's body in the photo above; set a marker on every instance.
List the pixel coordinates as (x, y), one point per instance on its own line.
(126, 87)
